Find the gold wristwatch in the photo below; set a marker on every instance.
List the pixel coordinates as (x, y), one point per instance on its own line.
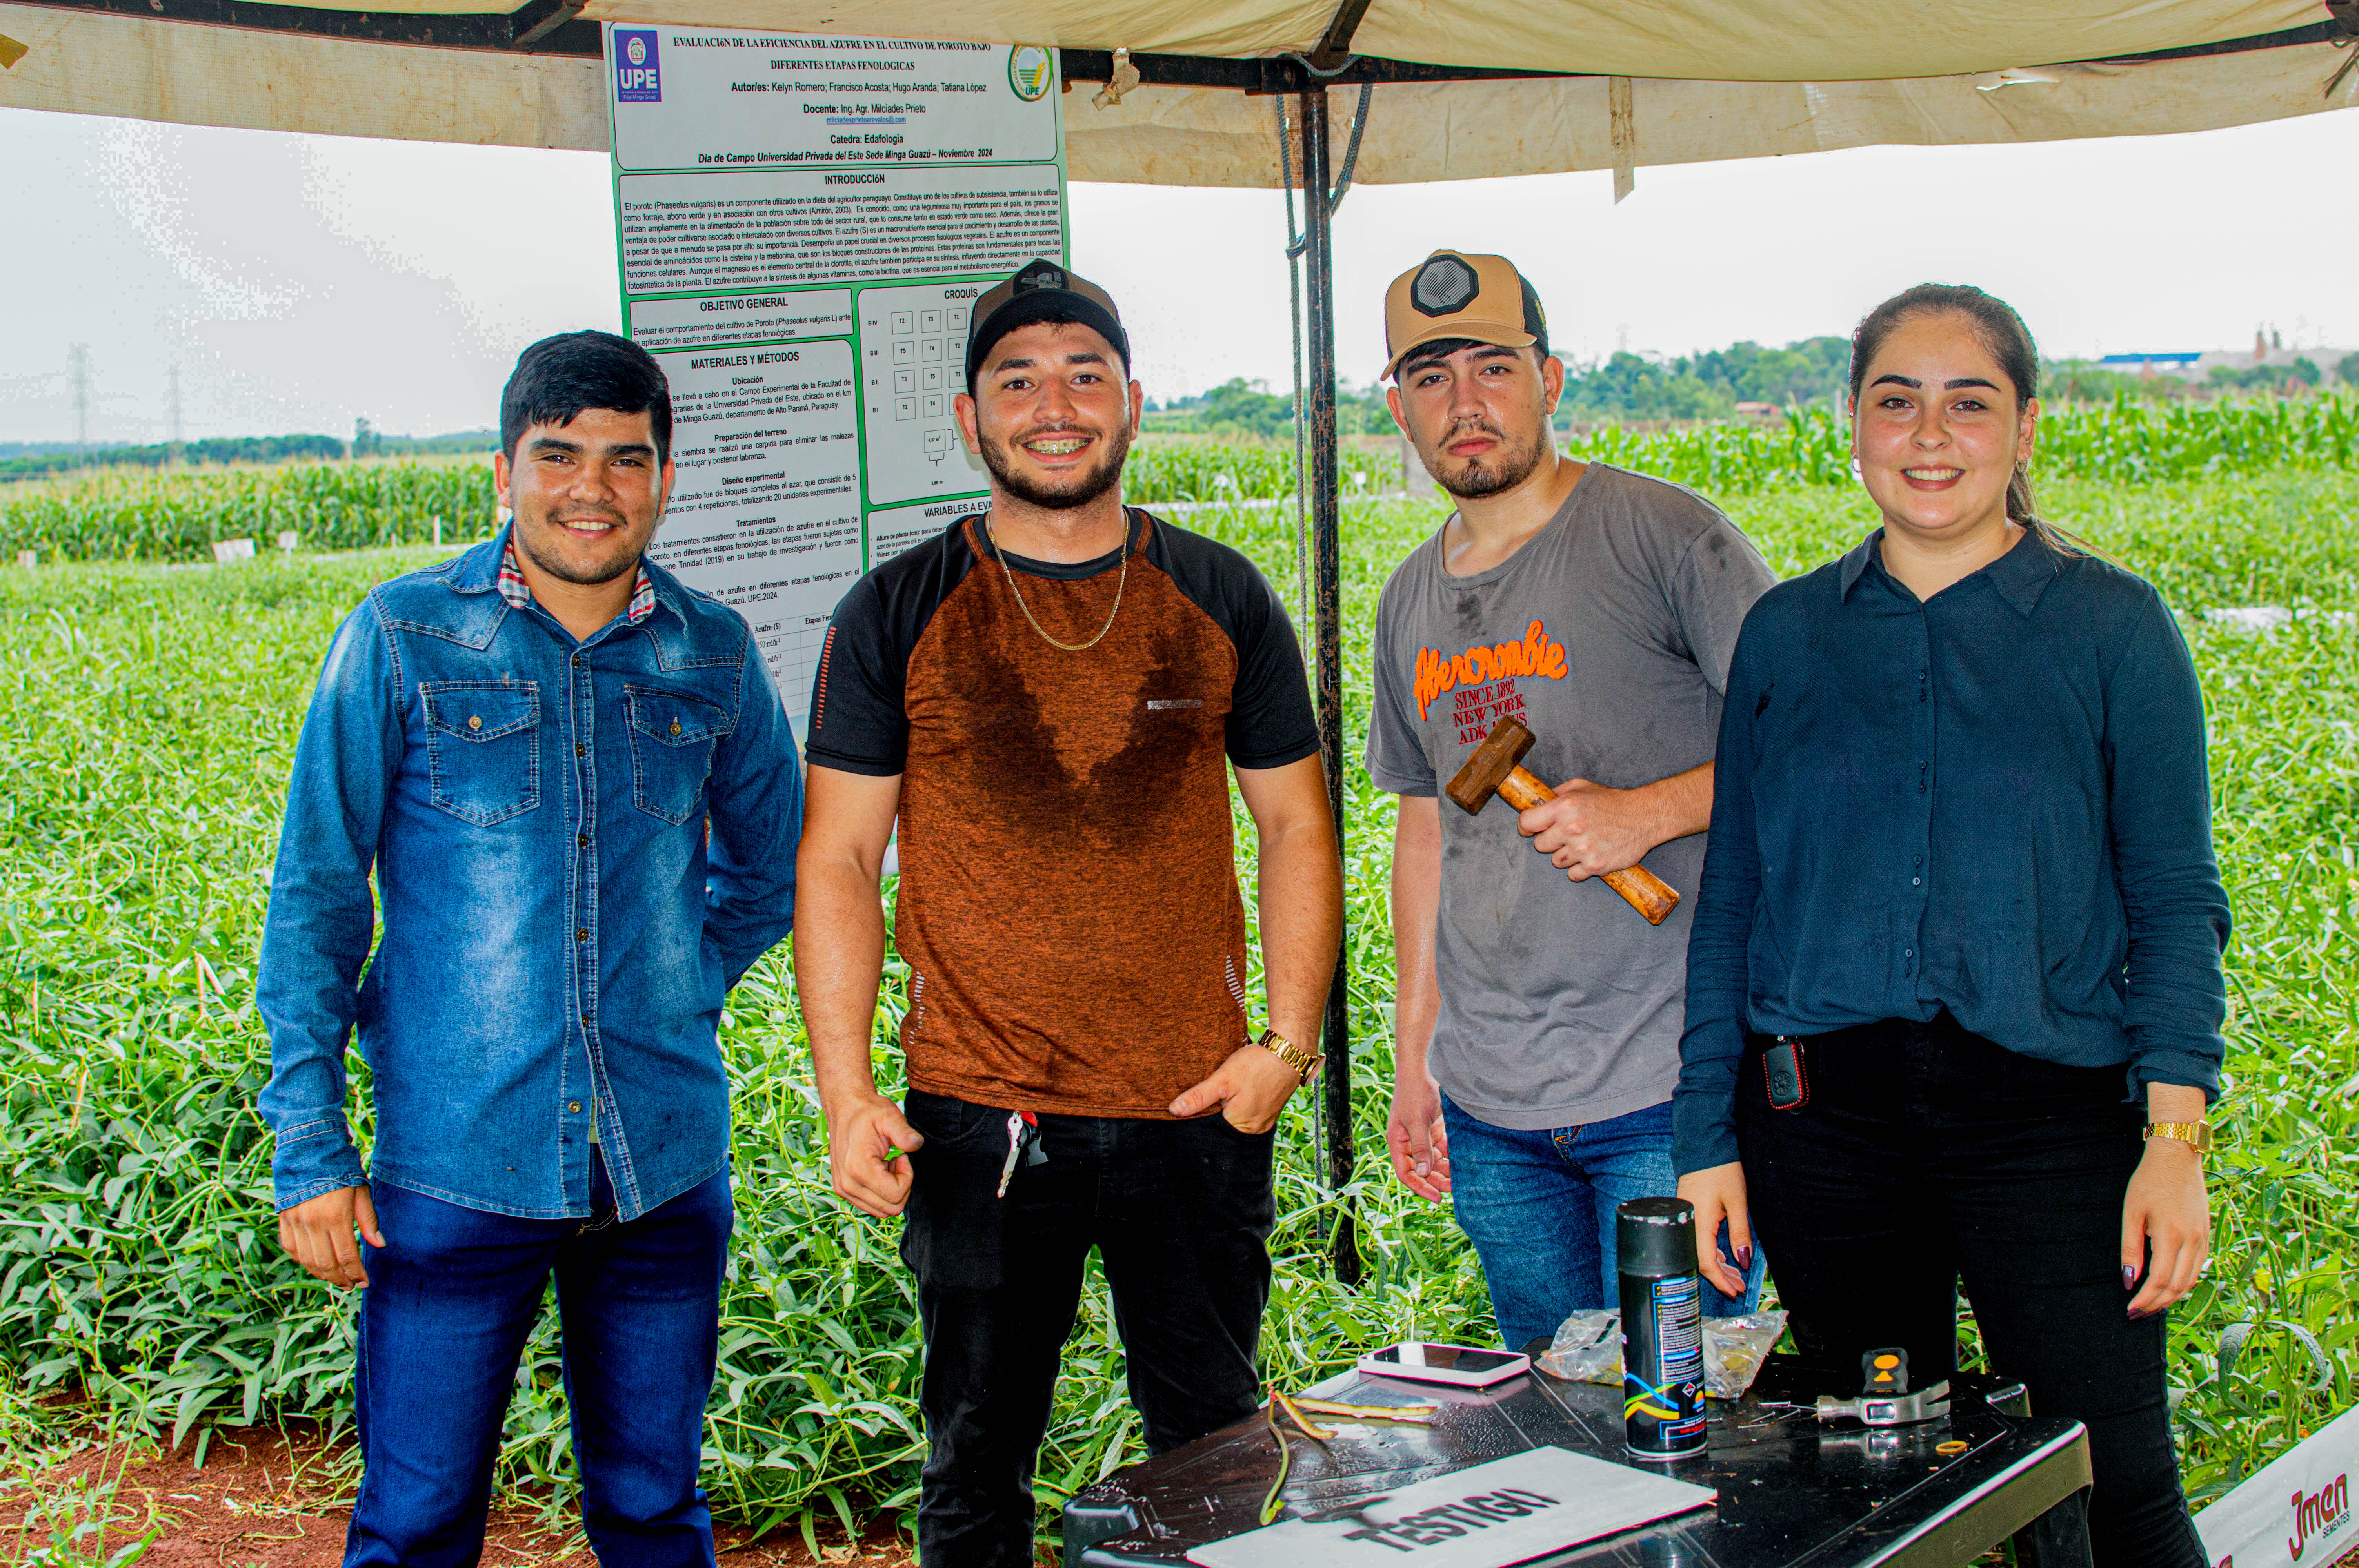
(1304, 1063)
(2198, 1133)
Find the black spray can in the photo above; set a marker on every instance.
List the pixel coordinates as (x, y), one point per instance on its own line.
(1662, 1329)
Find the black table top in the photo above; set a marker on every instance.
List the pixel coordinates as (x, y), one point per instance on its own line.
(1792, 1491)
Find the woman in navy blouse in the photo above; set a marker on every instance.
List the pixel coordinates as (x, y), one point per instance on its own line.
(1954, 993)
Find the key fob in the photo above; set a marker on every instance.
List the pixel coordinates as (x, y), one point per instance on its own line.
(1781, 1068)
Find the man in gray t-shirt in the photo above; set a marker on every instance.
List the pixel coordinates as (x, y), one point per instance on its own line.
(1537, 1024)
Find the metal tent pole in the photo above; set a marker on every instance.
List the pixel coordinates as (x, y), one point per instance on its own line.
(1326, 566)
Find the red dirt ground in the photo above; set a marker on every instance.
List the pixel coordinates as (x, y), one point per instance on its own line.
(263, 1502)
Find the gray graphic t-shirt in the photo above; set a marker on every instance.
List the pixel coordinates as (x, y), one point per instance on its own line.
(1609, 635)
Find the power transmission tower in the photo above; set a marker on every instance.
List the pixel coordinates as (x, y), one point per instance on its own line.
(77, 357)
(174, 381)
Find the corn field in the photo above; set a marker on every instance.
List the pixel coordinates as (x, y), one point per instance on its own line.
(346, 506)
(142, 516)
(2115, 443)
(149, 719)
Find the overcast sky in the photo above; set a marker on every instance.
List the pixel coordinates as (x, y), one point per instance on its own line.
(299, 282)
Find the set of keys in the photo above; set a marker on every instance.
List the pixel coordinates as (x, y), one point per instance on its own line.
(1024, 1143)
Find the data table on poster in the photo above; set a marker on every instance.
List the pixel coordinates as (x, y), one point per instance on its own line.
(803, 226)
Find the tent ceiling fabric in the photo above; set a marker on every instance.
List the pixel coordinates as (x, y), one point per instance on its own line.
(1709, 41)
(90, 63)
(1469, 130)
(1809, 40)
(1704, 40)
(96, 63)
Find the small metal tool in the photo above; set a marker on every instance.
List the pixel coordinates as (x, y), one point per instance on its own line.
(1886, 1398)
(1774, 1412)
(1889, 1410)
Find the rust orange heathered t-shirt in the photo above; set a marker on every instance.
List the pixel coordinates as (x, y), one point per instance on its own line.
(1069, 905)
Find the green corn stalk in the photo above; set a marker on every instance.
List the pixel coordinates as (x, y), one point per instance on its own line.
(149, 718)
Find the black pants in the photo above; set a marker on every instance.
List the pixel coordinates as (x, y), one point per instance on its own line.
(1926, 1152)
(1180, 1213)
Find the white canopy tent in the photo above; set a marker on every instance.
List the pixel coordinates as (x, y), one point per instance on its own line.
(1708, 80)
(1449, 93)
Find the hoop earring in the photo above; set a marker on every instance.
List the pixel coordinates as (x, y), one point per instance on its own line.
(1856, 470)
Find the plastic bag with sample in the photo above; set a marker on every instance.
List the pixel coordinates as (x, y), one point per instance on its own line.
(1588, 1349)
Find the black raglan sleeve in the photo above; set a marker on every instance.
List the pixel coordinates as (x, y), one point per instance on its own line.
(1270, 719)
(1271, 722)
(859, 710)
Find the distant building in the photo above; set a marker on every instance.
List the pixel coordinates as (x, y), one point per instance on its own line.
(2180, 362)
(2197, 366)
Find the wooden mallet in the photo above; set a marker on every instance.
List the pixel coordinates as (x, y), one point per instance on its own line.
(1495, 769)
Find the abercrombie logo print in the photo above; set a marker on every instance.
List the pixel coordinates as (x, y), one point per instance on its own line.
(638, 79)
(1483, 677)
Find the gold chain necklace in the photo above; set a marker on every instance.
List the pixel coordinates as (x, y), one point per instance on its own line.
(1119, 582)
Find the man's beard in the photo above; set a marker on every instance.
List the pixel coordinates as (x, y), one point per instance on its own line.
(1079, 489)
(1502, 468)
(529, 540)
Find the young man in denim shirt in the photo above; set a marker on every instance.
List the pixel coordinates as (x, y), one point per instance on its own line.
(574, 782)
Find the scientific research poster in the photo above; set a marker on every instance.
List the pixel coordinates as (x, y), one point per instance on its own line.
(803, 224)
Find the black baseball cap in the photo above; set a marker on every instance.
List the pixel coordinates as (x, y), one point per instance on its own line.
(1038, 290)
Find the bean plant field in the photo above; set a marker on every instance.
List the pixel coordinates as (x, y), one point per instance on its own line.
(148, 715)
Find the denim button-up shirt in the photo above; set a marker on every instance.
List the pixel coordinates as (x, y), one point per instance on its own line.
(1995, 801)
(559, 927)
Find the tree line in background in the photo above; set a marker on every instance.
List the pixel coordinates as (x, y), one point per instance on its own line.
(1623, 388)
(2080, 382)
(1713, 386)
(30, 460)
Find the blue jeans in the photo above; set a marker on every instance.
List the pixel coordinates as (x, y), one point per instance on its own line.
(451, 1297)
(1540, 1206)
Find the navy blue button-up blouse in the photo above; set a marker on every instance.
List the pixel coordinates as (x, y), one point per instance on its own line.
(1994, 801)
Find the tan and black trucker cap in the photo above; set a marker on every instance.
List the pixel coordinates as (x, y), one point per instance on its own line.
(1036, 291)
(1452, 295)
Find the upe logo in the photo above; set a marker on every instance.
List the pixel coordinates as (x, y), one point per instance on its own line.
(637, 77)
(1030, 71)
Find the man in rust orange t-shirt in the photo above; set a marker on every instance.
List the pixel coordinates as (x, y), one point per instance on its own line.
(1049, 696)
